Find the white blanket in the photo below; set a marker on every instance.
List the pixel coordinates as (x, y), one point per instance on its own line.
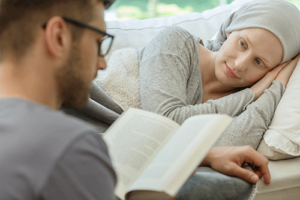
(121, 78)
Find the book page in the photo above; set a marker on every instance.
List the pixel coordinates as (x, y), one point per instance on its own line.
(182, 154)
(133, 141)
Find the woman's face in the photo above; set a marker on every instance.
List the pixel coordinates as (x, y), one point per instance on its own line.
(246, 56)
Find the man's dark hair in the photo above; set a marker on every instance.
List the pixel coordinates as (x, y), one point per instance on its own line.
(20, 20)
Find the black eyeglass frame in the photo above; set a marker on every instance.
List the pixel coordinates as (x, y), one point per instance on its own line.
(106, 35)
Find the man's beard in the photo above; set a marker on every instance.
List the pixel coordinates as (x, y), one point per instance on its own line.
(72, 86)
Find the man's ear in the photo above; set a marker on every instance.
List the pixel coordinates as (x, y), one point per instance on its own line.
(58, 37)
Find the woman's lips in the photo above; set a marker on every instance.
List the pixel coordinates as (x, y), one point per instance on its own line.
(230, 73)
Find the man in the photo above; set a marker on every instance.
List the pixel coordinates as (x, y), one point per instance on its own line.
(47, 62)
(50, 53)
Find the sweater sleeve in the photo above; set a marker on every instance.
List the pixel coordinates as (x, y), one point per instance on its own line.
(170, 79)
(249, 127)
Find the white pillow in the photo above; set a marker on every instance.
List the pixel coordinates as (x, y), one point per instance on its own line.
(270, 154)
(283, 135)
(138, 33)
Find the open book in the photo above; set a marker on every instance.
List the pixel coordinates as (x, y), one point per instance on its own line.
(153, 156)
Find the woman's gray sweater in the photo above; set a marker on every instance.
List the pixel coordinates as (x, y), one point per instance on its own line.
(171, 85)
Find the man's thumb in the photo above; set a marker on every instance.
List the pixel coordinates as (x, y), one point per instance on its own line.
(246, 175)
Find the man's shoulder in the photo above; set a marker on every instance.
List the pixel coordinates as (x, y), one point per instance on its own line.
(62, 121)
(27, 120)
(61, 128)
(52, 121)
(35, 138)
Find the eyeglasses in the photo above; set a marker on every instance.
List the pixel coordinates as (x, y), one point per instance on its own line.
(104, 44)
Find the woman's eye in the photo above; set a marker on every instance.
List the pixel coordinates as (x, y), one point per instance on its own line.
(242, 43)
(258, 62)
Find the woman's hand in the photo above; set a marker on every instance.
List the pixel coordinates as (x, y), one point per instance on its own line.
(228, 160)
(281, 73)
(285, 74)
(264, 83)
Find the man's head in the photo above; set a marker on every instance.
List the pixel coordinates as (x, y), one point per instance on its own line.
(71, 51)
(20, 19)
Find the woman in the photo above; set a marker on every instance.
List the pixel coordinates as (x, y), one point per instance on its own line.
(180, 78)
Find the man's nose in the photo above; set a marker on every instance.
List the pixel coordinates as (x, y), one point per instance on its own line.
(101, 65)
(241, 62)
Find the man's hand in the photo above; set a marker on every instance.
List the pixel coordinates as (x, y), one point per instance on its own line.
(228, 160)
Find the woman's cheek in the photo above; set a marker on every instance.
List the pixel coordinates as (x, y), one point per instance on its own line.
(253, 78)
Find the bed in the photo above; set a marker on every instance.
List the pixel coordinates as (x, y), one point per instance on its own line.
(101, 111)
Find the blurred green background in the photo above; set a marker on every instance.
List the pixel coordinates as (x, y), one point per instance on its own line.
(143, 9)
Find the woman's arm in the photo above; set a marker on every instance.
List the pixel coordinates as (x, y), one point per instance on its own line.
(170, 79)
(169, 88)
(249, 127)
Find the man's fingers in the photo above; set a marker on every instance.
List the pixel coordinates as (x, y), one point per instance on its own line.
(229, 162)
(246, 174)
(258, 173)
(253, 157)
(267, 176)
(263, 166)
